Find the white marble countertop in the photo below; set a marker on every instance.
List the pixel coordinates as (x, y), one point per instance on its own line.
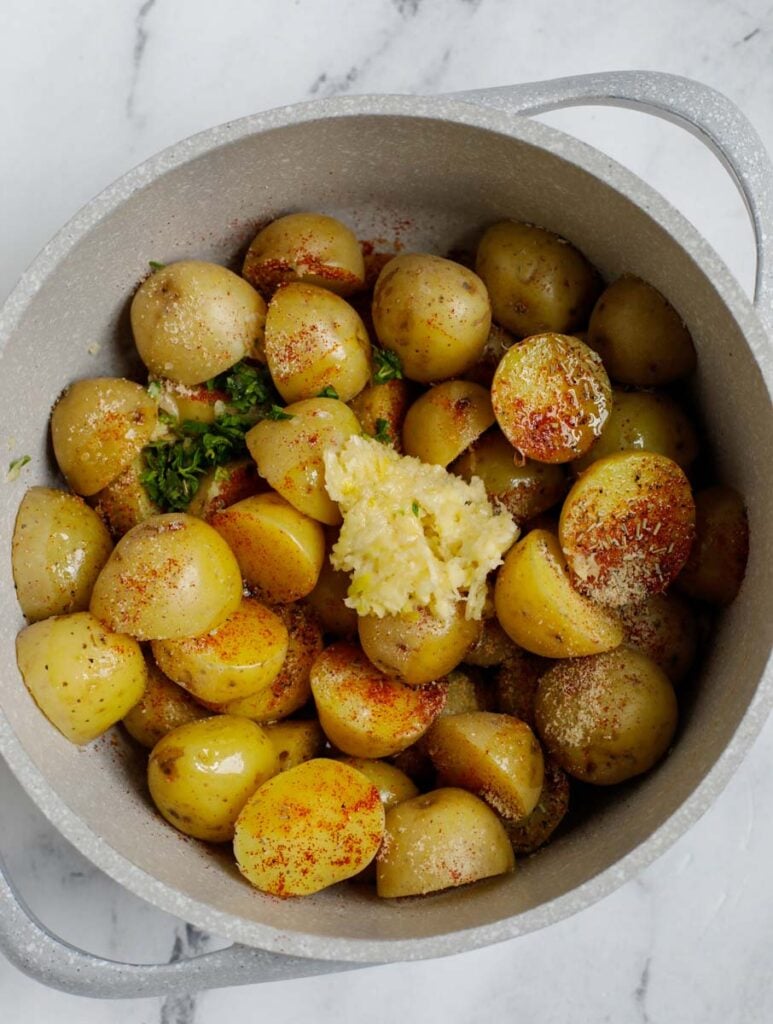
(89, 89)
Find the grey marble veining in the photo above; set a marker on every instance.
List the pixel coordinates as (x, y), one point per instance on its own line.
(90, 90)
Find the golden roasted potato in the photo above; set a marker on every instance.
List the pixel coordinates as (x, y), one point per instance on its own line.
(497, 343)
(98, 427)
(467, 690)
(280, 550)
(516, 683)
(445, 420)
(295, 742)
(125, 502)
(419, 647)
(717, 562)
(308, 828)
(327, 598)
(665, 628)
(170, 577)
(241, 656)
(192, 320)
(525, 488)
(308, 247)
(492, 647)
(381, 410)
(495, 756)
(393, 785)
(82, 677)
(164, 706)
(440, 840)
(534, 831)
(627, 527)
(608, 717)
(365, 713)
(640, 337)
(537, 281)
(223, 486)
(58, 548)
(644, 421)
(200, 775)
(540, 610)
(289, 452)
(433, 313)
(551, 397)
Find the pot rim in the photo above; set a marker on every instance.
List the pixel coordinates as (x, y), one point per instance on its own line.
(323, 947)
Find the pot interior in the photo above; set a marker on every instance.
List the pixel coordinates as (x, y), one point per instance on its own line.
(425, 184)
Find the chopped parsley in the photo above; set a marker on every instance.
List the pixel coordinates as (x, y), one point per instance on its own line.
(247, 387)
(382, 432)
(328, 392)
(155, 265)
(276, 412)
(387, 365)
(16, 466)
(154, 389)
(415, 508)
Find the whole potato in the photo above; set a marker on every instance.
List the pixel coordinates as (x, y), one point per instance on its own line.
(665, 628)
(498, 342)
(82, 677)
(58, 549)
(170, 577)
(493, 645)
(98, 427)
(241, 656)
(192, 320)
(202, 774)
(314, 341)
(418, 647)
(445, 420)
(295, 742)
(393, 785)
(308, 247)
(125, 502)
(327, 598)
(516, 683)
(433, 313)
(551, 397)
(466, 690)
(640, 337)
(534, 831)
(717, 563)
(308, 828)
(440, 840)
(163, 707)
(608, 717)
(223, 486)
(537, 281)
(381, 410)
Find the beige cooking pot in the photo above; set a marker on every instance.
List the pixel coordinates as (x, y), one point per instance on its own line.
(441, 168)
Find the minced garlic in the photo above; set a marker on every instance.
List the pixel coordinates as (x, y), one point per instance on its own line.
(413, 535)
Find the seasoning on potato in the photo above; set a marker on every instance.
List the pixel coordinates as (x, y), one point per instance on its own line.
(717, 563)
(445, 420)
(163, 706)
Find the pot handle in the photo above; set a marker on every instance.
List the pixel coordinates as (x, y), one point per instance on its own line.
(703, 111)
(33, 949)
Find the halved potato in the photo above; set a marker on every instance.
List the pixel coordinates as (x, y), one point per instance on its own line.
(327, 598)
(393, 785)
(534, 831)
(717, 563)
(381, 410)
(445, 420)
(295, 742)
(665, 627)
(223, 486)
(125, 502)
(516, 683)
(164, 706)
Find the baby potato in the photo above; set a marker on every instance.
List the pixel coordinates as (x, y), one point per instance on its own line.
(665, 628)
(239, 657)
(309, 247)
(418, 647)
(192, 320)
(526, 488)
(445, 420)
(223, 486)
(163, 707)
(295, 742)
(291, 689)
(494, 756)
(492, 647)
(534, 831)
(516, 684)
(315, 340)
(640, 337)
(551, 397)
(644, 421)
(327, 599)
(717, 563)
(125, 502)
(82, 677)
(308, 828)
(540, 610)
(608, 717)
(393, 785)
(280, 550)
(381, 410)
(202, 774)
(537, 281)
(440, 840)
(364, 712)
(170, 577)
(627, 527)
(433, 313)
(58, 548)
(188, 403)
(466, 690)
(289, 452)
(98, 427)
(416, 764)
(497, 343)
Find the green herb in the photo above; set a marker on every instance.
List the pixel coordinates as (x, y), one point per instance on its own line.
(154, 388)
(155, 265)
(248, 387)
(387, 365)
(328, 392)
(16, 466)
(382, 432)
(166, 418)
(415, 508)
(276, 412)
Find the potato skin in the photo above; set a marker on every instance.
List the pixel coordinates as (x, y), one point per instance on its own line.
(169, 577)
(665, 628)
(532, 832)
(537, 281)
(393, 785)
(200, 775)
(98, 427)
(164, 706)
(433, 313)
(82, 677)
(224, 486)
(388, 402)
(58, 549)
(125, 502)
(295, 742)
(333, 830)
(717, 563)
(516, 683)
(327, 598)
(608, 717)
(440, 840)
(443, 421)
(192, 320)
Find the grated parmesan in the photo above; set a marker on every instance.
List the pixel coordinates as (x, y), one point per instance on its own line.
(413, 536)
